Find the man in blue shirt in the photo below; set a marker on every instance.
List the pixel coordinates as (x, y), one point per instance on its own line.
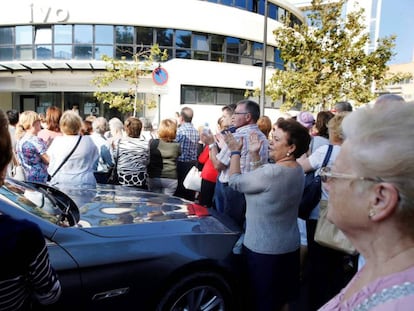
(188, 137)
(244, 119)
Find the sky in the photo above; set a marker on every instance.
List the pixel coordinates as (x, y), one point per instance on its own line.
(397, 17)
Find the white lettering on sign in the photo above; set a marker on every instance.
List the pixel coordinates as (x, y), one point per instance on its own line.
(48, 15)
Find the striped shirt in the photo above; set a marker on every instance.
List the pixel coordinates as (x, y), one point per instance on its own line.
(133, 158)
(25, 274)
(188, 138)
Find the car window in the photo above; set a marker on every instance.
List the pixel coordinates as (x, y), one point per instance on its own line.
(31, 200)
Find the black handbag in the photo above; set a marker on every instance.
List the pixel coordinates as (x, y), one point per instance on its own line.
(313, 190)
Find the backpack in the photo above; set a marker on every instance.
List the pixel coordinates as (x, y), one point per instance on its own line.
(313, 190)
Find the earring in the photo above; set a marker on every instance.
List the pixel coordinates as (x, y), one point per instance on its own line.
(288, 154)
(371, 213)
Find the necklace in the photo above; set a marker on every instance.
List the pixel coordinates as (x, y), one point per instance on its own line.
(285, 160)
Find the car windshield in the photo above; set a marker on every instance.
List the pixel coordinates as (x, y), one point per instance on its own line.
(34, 201)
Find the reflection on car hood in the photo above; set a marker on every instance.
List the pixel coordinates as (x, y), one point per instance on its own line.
(114, 205)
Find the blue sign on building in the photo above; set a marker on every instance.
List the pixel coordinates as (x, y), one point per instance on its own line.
(160, 76)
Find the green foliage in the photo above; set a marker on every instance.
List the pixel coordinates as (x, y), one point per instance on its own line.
(130, 72)
(326, 61)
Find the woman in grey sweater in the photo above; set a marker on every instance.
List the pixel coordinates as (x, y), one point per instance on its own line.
(273, 193)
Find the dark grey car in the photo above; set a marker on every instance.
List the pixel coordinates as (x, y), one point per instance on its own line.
(119, 248)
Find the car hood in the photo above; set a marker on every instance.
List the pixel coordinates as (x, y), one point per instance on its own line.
(108, 205)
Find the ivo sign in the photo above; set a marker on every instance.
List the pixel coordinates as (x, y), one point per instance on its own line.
(47, 15)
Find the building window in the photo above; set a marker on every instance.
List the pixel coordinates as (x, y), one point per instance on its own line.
(43, 52)
(83, 34)
(145, 36)
(86, 42)
(124, 34)
(202, 95)
(6, 53)
(124, 52)
(183, 39)
(24, 52)
(124, 39)
(6, 43)
(43, 35)
(104, 40)
(165, 38)
(6, 35)
(83, 51)
(200, 46)
(101, 50)
(24, 35)
(83, 39)
(217, 44)
(104, 34)
(183, 44)
(233, 50)
(63, 34)
(63, 52)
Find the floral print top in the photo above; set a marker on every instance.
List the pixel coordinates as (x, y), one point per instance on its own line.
(29, 148)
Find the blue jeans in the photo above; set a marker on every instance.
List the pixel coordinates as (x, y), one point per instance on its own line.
(230, 202)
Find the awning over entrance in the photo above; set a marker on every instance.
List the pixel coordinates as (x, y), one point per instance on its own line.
(30, 66)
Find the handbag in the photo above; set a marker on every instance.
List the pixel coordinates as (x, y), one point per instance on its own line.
(113, 178)
(329, 235)
(312, 190)
(192, 180)
(18, 173)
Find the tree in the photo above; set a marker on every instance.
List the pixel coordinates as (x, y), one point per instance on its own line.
(325, 60)
(129, 71)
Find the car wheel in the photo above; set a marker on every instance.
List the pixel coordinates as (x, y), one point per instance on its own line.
(199, 291)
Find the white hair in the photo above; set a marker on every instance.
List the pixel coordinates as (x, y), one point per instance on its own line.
(382, 146)
(99, 125)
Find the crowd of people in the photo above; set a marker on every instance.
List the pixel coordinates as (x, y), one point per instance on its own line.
(253, 171)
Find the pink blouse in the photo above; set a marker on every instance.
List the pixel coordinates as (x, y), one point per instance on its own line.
(391, 292)
(47, 135)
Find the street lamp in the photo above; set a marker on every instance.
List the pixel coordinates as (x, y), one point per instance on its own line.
(263, 81)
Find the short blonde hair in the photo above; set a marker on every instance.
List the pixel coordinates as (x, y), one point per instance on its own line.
(335, 126)
(70, 123)
(26, 120)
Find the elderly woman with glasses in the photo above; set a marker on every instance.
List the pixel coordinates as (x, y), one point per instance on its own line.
(371, 195)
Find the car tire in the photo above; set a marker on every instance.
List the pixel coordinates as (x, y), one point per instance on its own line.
(197, 292)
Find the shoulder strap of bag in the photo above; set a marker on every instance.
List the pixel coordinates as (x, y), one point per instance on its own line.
(117, 154)
(67, 157)
(327, 156)
(309, 152)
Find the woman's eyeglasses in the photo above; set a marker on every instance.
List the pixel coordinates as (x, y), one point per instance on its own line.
(326, 175)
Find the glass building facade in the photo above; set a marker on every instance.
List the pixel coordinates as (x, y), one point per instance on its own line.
(73, 44)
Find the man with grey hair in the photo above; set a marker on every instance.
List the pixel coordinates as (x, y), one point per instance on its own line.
(104, 162)
(342, 106)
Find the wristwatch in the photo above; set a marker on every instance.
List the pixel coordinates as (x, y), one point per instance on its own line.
(211, 146)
